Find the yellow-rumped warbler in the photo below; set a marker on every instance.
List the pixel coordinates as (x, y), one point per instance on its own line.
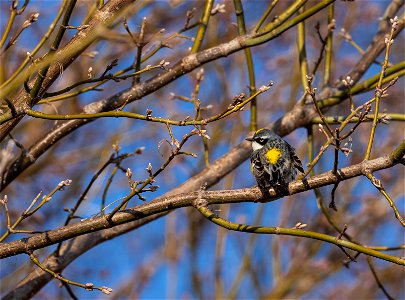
(273, 161)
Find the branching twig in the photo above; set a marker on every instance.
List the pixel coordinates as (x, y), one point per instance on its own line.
(378, 90)
(103, 78)
(311, 91)
(118, 113)
(87, 286)
(29, 211)
(152, 175)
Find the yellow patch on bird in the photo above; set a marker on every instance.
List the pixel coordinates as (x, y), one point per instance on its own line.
(273, 155)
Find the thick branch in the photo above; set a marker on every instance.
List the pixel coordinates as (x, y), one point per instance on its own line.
(38, 278)
(164, 204)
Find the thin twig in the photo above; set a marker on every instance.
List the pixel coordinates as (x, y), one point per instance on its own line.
(87, 286)
(378, 90)
(379, 283)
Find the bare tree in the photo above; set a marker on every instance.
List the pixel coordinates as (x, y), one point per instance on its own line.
(168, 92)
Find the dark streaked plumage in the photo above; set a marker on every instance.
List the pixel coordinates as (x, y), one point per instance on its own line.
(273, 161)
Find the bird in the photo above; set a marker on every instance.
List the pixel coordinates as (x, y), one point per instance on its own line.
(273, 161)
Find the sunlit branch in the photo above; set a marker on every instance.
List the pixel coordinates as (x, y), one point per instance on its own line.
(165, 204)
(118, 113)
(302, 52)
(295, 232)
(202, 27)
(382, 117)
(378, 90)
(249, 62)
(265, 15)
(329, 46)
(287, 13)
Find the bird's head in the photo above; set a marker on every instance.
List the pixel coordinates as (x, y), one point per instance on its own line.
(261, 137)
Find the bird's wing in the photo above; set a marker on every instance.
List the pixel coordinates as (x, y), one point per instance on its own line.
(256, 164)
(296, 160)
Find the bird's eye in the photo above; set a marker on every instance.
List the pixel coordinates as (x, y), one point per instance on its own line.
(260, 140)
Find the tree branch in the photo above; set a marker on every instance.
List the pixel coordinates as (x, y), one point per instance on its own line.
(168, 203)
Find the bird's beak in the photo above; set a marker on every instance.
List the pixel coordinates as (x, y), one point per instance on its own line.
(249, 139)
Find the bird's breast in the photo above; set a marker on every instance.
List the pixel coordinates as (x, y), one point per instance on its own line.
(273, 155)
